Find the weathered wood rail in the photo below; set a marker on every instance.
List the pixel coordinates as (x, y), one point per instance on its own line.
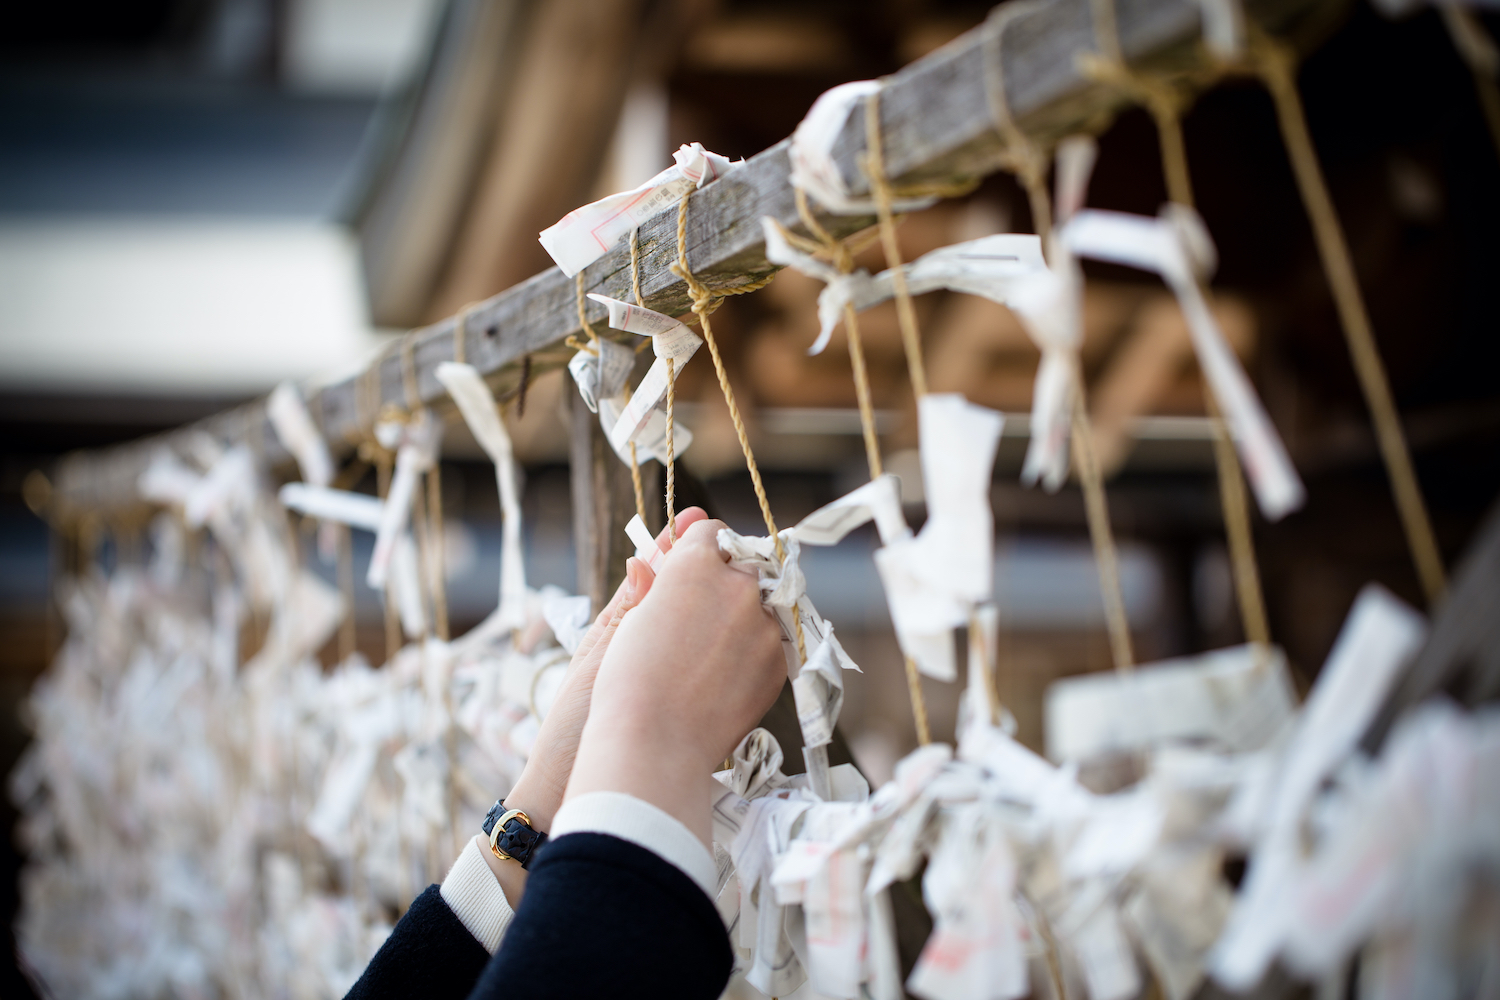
(937, 127)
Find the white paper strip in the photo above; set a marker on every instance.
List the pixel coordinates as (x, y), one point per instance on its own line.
(651, 440)
(646, 549)
(588, 233)
(416, 454)
(669, 338)
(601, 373)
(1239, 698)
(474, 400)
(878, 500)
(299, 435)
(637, 413)
(1377, 638)
(357, 510)
(1178, 248)
(933, 581)
(813, 167)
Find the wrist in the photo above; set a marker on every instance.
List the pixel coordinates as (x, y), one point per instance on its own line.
(510, 875)
(537, 797)
(648, 765)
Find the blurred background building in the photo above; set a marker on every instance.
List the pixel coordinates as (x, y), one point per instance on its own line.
(201, 198)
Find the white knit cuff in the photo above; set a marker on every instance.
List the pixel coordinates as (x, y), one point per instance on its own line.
(643, 824)
(474, 895)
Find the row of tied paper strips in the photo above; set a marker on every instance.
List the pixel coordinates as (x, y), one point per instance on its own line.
(196, 827)
(1034, 882)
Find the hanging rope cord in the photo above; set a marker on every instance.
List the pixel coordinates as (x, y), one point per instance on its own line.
(367, 401)
(1021, 155)
(1166, 101)
(1477, 49)
(1028, 160)
(911, 338)
(427, 513)
(841, 254)
(1275, 63)
(704, 301)
(671, 461)
(592, 347)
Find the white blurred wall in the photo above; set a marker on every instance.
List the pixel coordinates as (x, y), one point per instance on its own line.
(355, 46)
(176, 305)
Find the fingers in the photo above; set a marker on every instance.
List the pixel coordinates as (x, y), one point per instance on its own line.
(639, 577)
(685, 520)
(637, 584)
(703, 534)
(627, 595)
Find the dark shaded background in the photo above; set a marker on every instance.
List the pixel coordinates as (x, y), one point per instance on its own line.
(149, 107)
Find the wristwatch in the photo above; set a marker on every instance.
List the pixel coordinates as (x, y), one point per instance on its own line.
(512, 837)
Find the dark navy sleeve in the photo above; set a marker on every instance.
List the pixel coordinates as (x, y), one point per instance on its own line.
(605, 917)
(429, 954)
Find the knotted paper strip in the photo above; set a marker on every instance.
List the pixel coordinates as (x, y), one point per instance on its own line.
(588, 233)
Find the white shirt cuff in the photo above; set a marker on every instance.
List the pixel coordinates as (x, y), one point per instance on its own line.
(641, 823)
(474, 895)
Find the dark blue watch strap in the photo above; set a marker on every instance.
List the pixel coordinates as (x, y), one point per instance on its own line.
(516, 838)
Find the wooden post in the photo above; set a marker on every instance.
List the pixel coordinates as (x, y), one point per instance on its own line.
(603, 502)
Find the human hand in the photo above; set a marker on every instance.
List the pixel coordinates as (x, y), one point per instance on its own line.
(685, 677)
(539, 790)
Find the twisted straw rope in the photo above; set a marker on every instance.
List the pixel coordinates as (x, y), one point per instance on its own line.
(427, 516)
(1022, 156)
(1029, 162)
(671, 461)
(1166, 102)
(1275, 63)
(906, 316)
(705, 301)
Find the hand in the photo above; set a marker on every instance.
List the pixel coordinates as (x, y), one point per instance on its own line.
(539, 790)
(687, 675)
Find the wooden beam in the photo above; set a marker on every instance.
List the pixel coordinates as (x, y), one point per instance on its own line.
(937, 126)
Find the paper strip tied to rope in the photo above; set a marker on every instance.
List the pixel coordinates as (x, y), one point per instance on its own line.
(477, 404)
(1006, 268)
(641, 420)
(1177, 246)
(933, 581)
(419, 439)
(600, 370)
(1009, 269)
(588, 233)
(817, 684)
(814, 169)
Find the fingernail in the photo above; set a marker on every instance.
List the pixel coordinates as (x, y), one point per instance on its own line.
(632, 577)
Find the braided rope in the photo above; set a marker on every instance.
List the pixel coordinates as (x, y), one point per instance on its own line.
(705, 301)
(880, 187)
(1275, 63)
(1106, 554)
(1022, 155)
(911, 338)
(1166, 103)
(843, 259)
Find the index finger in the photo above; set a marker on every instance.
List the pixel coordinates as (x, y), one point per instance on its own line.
(685, 520)
(704, 532)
